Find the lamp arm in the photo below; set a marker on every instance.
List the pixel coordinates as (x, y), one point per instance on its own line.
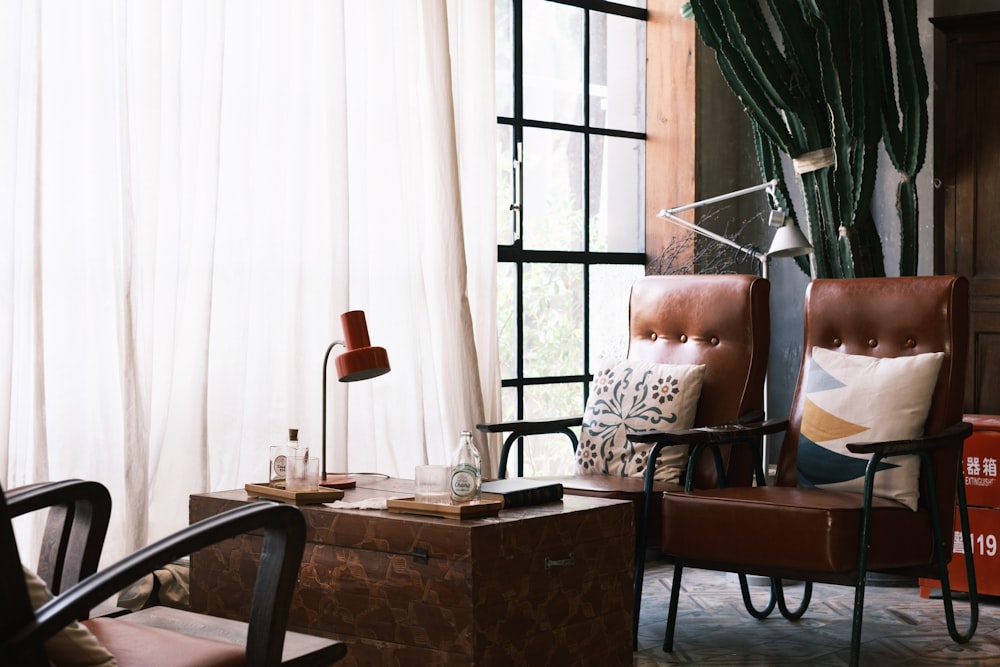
(326, 361)
(731, 195)
(749, 250)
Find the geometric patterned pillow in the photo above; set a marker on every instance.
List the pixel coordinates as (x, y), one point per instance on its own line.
(854, 398)
(633, 396)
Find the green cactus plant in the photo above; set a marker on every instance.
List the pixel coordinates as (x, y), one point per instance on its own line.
(830, 87)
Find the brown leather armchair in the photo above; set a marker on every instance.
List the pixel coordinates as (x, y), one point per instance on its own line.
(721, 321)
(72, 544)
(812, 533)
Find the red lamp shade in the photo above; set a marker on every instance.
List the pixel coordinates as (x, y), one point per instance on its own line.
(361, 361)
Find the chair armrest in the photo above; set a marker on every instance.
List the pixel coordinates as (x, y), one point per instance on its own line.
(733, 432)
(284, 541)
(531, 427)
(77, 524)
(957, 431)
(743, 431)
(518, 429)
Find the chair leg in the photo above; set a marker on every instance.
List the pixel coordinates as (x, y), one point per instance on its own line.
(675, 590)
(803, 605)
(639, 571)
(970, 572)
(859, 606)
(759, 614)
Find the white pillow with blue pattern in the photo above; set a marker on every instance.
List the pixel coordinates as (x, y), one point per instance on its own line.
(853, 399)
(631, 397)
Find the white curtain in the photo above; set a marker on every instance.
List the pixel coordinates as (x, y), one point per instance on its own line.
(191, 193)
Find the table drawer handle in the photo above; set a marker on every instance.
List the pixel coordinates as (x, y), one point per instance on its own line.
(563, 562)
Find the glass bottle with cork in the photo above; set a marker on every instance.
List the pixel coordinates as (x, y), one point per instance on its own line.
(466, 471)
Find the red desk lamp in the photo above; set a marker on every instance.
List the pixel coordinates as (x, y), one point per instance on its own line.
(361, 361)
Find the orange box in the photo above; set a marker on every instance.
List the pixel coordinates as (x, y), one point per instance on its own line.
(979, 461)
(982, 494)
(984, 525)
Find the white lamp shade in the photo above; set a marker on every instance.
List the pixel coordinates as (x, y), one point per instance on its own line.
(789, 241)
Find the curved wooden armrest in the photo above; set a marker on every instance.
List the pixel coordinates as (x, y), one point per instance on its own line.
(33, 497)
(732, 433)
(531, 427)
(957, 431)
(77, 524)
(518, 429)
(284, 541)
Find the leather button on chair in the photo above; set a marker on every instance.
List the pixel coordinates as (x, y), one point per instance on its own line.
(872, 343)
(715, 340)
(684, 338)
(653, 336)
(837, 342)
(910, 342)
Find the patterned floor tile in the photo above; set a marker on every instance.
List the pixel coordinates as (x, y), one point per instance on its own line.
(900, 627)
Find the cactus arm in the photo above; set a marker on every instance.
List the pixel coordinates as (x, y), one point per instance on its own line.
(755, 98)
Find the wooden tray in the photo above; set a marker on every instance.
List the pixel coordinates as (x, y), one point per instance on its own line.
(471, 510)
(277, 491)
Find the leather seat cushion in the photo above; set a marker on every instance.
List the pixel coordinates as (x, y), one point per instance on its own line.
(791, 528)
(134, 644)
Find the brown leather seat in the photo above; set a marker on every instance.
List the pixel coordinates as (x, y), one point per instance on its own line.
(836, 536)
(721, 321)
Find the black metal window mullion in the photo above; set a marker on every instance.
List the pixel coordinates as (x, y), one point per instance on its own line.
(515, 253)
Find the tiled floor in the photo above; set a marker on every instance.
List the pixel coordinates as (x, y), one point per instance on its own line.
(900, 627)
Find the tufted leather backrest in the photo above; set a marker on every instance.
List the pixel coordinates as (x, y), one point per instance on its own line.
(722, 321)
(890, 317)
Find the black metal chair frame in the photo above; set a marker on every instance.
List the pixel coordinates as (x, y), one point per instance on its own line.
(921, 447)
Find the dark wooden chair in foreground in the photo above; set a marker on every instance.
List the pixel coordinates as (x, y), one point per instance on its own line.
(158, 635)
(78, 516)
(719, 322)
(883, 365)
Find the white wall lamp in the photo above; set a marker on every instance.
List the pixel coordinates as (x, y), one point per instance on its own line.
(788, 240)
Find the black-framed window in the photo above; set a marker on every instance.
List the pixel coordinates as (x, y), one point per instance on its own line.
(570, 222)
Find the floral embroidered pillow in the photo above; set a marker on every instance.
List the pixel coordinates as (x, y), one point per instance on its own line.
(631, 397)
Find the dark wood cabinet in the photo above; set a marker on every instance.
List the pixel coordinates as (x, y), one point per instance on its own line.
(547, 584)
(967, 166)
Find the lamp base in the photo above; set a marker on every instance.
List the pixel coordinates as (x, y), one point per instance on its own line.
(338, 482)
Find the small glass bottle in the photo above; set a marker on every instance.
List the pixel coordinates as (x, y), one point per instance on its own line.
(281, 456)
(466, 471)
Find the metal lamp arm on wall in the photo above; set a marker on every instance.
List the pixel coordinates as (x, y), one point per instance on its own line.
(746, 249)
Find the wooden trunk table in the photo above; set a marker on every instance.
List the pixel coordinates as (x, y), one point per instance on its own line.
(549, 584)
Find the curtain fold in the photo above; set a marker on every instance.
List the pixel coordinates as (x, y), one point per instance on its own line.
(193, 192)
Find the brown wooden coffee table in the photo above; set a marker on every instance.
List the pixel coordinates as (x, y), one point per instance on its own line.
(549, 584)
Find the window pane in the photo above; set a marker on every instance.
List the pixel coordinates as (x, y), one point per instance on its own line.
(553, 190)
(507, 319)
(609, 292)
(505, 185)
(544, 456)
(617, 59)
(553, 62)
(553, 401)
(617, 168)
(553, 319)
(508, 404)
(550, 454)
(503, 13)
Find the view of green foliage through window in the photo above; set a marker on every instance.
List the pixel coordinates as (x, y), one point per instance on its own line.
(570, 230)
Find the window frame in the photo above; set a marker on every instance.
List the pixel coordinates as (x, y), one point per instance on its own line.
(515, 253)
